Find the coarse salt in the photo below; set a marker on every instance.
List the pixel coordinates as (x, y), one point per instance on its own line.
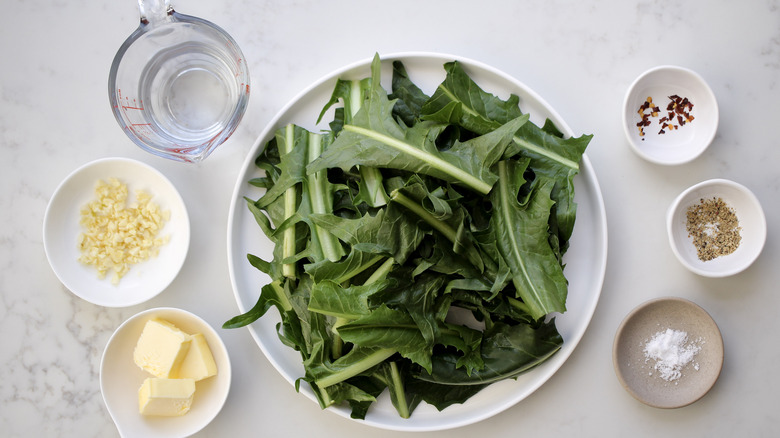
(672, 351)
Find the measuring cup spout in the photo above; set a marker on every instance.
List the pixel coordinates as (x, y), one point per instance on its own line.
(154, 11)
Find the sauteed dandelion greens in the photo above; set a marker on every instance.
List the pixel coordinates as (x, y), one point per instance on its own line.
(409, 212)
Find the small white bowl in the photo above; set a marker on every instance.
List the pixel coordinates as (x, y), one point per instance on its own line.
(120, 378)
(752, 223)
(676, 146)
(61, 229)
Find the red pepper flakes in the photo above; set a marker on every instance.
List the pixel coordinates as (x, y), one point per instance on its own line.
(679, 110)
(646, 105)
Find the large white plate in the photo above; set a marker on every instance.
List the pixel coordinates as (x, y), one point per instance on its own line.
(585, 260)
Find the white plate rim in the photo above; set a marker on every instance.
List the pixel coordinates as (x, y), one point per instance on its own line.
(544, 372)
(175, 251)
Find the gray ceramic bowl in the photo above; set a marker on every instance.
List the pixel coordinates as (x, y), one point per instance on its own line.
(637, 373)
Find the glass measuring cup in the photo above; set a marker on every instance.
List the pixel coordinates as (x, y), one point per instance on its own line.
(178, 85)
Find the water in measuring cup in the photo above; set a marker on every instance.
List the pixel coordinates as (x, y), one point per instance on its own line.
(188, 92)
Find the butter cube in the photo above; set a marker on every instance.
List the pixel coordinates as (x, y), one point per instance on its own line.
(199, 362)
(161, 348)
(165, 397)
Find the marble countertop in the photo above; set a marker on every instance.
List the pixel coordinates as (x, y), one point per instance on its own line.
(580, 56)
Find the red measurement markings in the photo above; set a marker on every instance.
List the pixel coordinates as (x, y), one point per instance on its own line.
(134, 105)
(240, 71)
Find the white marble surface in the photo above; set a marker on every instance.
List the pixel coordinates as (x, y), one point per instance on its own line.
(581, 56)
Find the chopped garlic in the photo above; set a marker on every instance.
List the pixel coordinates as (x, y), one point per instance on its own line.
(117, 235)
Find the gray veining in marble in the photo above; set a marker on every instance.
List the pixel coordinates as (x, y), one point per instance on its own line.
(580, 56)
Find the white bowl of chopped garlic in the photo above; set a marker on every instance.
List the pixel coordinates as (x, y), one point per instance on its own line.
(716, 228)
(116, 232)
(670, 115)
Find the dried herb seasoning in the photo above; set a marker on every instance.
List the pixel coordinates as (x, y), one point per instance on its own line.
(714, 227)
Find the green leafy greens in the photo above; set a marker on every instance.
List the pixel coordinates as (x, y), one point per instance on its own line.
(410, 212)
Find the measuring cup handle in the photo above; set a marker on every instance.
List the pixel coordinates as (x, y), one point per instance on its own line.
(154, 11)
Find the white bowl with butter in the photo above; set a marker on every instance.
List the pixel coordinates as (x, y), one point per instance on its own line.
(128, 389)
(63, 228)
